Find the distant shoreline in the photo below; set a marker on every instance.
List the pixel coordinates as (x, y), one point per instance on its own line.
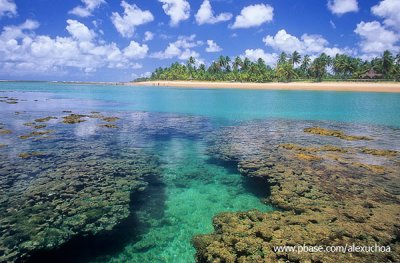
(320, 86)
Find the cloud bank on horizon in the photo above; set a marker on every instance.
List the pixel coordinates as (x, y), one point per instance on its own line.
(107, 40)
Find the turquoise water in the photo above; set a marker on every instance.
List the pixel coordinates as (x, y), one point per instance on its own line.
(196, 190)
(192, 187)
(229, 104)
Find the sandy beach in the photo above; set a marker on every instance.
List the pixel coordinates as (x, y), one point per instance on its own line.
(328, 86)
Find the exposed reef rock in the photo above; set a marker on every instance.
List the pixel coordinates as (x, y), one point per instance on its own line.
(380, 152)
(335, 133)
(9, 100)
(110, 119)
(110, 126)
(74, 119)
(46, 119)
(326, 195)
(31, 154)
(35, 133)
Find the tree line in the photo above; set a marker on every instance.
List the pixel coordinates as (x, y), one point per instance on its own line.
(289, 67)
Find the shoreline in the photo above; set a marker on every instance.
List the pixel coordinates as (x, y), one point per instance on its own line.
(305, 86)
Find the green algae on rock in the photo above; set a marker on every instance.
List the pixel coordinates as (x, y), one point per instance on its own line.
(322, 202)
(74, 118)
(380, 152)
(31, 154)
(40, 126)
(46, 119)
(82, 195)
(36, 133)
(110, 119)
(110, 126)
(4, 131)
(335, 133)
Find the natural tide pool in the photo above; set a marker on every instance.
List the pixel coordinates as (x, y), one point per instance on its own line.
(158, 156)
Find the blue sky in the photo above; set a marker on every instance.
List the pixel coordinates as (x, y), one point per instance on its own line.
(104, 40)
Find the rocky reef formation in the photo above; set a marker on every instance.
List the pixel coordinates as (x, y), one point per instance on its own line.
(335, 133)
(51, 197)
(326, 195)
(81, 180)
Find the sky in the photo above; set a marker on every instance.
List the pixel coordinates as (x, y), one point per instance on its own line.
(113, 40)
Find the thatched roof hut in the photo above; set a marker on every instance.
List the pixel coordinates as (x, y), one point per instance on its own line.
(371, 74)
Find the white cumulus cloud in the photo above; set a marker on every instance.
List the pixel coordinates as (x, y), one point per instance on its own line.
(181, 49)
(340, 7)
(306, 44)
(8, 8)
(87, 8)
(23, 52)
(212, 47)
(254, 54)
(375, 38)
(177, 10)
(205, 15)
(79, 31)
(389, 10)
(254, 15)
(148, 36)
(133, 16)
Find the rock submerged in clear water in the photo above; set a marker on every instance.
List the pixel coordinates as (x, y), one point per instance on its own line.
(47, 202)
(67, 187)
(326, 195)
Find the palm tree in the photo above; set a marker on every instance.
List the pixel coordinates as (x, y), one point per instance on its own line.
(261, 64)
(319, 65)
(190, 65)
(387, 62)
(282, 58)
(222, 61)
(237, 63)
(295, 58)
(397, 59)
(305, 64)
(246, 64)
(227, 64)
(286, 72)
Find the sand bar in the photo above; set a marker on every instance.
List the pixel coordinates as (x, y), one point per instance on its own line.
(328, 86)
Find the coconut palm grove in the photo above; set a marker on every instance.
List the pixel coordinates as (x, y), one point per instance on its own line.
(289, 67)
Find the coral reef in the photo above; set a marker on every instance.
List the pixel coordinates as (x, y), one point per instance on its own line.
(110, 119)
(35, 133)
(40, 126)
(46, 119)
(335, 133)
(74, 119)
(9, 100)
(31, 154)
(68, 187)
(325, 195)
(380, 152)
(4, 131)
(47, 201)
(110, 126)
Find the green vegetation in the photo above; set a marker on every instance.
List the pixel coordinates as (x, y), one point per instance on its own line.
(289, 67)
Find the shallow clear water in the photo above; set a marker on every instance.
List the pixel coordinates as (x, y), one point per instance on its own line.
(230, 104)
(173, 125)
(196, 189)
